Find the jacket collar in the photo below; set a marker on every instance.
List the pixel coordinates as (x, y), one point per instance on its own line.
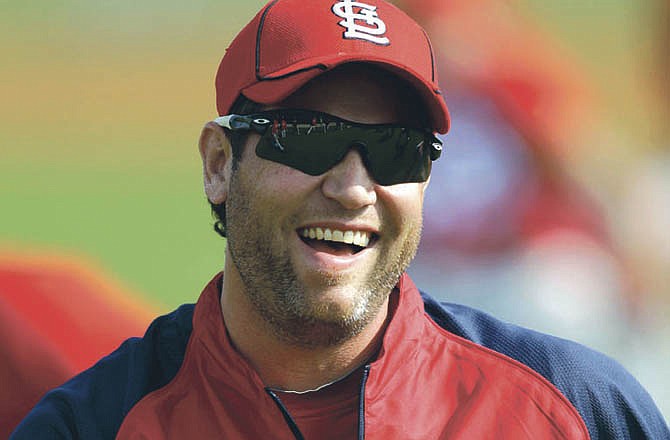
(399, 346)
(402, 338)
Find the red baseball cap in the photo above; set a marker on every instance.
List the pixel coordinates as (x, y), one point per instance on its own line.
(289, 42)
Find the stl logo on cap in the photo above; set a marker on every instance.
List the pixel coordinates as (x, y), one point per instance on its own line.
(373, 29)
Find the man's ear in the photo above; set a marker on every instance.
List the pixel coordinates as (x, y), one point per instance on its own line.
(217, 162)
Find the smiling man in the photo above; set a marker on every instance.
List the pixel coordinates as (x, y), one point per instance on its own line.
(316, 170)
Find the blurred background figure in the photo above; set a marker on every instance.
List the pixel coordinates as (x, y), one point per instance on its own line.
(550, 206)
(644, 208)
(510, 229)
(517, 225)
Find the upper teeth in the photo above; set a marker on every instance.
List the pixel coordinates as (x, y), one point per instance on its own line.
(359, 238)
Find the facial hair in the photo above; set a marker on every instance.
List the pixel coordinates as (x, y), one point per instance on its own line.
(296, 315)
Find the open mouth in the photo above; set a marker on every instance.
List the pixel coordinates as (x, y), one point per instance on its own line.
(336, 242)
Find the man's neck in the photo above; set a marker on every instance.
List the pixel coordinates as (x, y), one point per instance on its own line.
(286, 366)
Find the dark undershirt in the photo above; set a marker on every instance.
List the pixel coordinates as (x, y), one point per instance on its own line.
(329, 413)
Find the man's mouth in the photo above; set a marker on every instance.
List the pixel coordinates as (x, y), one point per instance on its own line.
(336, 242)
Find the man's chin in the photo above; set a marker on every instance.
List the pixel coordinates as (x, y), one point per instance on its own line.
(327, 317)
(320, 330)
(334, 282)
(338, 305)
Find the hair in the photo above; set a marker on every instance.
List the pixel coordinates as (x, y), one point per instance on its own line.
(237, 139)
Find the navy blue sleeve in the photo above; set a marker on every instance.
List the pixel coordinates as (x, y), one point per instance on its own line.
(610, 401)
(93, 404)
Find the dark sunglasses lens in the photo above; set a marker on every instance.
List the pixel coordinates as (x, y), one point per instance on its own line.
(398, 155)
(391, 154)
(313, 154)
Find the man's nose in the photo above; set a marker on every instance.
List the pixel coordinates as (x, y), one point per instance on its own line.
(349, 183)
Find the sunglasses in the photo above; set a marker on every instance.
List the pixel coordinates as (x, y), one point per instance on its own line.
(314, 142)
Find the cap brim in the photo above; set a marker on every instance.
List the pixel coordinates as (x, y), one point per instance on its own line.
(278, 86)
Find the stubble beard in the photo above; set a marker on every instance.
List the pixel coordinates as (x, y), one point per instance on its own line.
(295, 315)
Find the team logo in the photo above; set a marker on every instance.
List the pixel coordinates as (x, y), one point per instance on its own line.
(361, 22)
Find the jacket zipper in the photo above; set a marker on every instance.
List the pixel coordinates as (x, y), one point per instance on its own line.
(287, 417)
(361, 404)
(361, 409)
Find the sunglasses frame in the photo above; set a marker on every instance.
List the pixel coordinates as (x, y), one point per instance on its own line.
(275, 125)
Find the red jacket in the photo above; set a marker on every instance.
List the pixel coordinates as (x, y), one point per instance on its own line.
(445, 371)
(426, 383)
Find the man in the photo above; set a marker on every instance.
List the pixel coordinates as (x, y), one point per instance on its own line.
(317, 169)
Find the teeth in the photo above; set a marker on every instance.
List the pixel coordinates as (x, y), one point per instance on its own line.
(359, 238)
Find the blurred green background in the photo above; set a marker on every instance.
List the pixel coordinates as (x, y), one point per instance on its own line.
(102, 104)
(101, 108)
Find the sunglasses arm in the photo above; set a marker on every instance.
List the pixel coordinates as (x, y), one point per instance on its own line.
(242, 123)
(436, 150)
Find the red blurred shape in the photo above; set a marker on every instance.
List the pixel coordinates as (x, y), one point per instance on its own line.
(490, 46)
(58, 315)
